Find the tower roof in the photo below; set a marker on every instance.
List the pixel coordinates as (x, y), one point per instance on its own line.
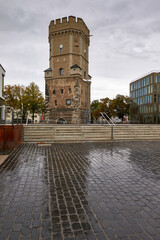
(48, 70)
(75, 66)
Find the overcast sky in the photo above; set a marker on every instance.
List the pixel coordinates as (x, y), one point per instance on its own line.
(125, 43)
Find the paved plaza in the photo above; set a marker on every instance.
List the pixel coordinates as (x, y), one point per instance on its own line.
(81, 191)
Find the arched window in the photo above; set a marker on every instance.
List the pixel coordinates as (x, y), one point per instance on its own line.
(54, 91)
(61, 71)
(61, 48)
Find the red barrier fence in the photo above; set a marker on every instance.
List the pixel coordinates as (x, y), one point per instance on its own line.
(10, 136)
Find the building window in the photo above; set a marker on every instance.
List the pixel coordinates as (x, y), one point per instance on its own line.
(54, 91)
(68, 101)
(157, 78)
(61, 91)
(70, 90)
(150, 98)
(154, 97)
(142, 91)
(61, 48)
(147, 80)
(145, 91)
(84, 75)
(61, 71)
(155, 107)
(155, 88)
(55, 102)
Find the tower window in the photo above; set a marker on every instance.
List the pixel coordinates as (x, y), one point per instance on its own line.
(84, 75)
(68, 101)
(70, 90)
(61, 91)
(54, 91)
(55, 102)
(61, 71)
(61, 48)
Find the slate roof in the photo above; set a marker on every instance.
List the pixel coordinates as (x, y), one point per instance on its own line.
(48, 70)
(75, 66)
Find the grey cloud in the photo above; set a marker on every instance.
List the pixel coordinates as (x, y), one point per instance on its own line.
(122, 47)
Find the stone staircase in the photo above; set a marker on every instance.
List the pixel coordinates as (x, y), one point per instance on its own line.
(136, 132)
(72, 133)
(59, 133)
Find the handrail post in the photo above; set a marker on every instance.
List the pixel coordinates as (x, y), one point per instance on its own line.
(112, 132)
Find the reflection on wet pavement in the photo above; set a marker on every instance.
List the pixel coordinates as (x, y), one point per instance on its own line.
(81, 191)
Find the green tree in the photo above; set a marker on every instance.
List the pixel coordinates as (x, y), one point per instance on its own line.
(34, 99)
(120, 106)
(14, 96)
(94, 108)
(102, 106)
(24, 98)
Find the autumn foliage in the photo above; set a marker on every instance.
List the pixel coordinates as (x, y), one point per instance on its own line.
(24, 98)
(117, 107)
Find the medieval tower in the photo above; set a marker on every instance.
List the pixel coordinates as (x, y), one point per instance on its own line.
(67, 81)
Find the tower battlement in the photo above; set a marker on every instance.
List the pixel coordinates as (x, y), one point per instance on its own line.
(67, 85)
(68, 23)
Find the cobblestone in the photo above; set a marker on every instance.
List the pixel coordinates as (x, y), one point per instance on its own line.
(81, 191)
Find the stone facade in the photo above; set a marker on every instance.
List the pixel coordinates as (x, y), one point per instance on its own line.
(67, 79)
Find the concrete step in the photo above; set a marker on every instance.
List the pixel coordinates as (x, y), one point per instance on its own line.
(53, 133)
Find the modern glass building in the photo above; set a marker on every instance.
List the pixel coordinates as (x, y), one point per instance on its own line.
(145, 99)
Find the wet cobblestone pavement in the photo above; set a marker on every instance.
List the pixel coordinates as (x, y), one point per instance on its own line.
(81, 191)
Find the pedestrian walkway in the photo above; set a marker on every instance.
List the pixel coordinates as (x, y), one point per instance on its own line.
(81, 191)
(4, 154)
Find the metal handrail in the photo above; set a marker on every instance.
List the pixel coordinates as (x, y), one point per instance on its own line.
(107, 118)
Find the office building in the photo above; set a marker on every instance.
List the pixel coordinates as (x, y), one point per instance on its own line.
(145, 99)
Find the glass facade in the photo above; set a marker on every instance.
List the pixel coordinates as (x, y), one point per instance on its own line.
(145, 96)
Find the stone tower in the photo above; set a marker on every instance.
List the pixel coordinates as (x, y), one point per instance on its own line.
(67, 81)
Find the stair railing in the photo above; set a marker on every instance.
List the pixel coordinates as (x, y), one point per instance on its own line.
(107, 118)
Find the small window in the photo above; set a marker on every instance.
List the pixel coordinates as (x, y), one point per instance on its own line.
(70, 90)
(61, 72)
(84, 75)
(68, 101)
(55, 102)
(61, 48)
(54, 91)
(61, 91)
